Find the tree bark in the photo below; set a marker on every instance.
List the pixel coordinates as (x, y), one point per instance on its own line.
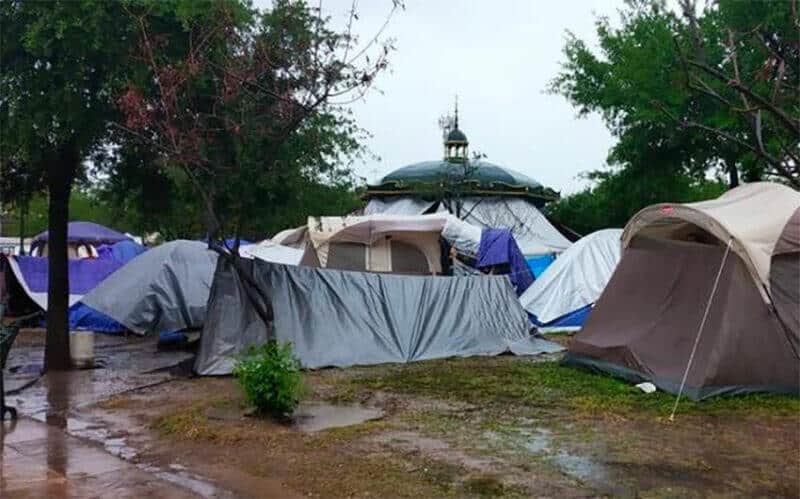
(60, 175)
(733, 175)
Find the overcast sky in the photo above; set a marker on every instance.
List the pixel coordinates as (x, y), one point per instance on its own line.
(498, 56)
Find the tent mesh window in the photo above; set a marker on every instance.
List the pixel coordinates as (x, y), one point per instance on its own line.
(347, 256)
(408, 259)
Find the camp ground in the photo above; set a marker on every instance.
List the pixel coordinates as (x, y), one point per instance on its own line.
(367, 294)
(399, 249)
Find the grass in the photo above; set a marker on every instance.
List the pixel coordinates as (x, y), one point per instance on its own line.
(548, 386)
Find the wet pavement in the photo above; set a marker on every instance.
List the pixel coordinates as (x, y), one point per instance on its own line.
(39, 460)
(55, 449)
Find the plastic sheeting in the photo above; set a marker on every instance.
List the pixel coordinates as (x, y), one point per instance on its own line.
(577, 277)
(123, 251)
(465, 237)
(340, 318)
(273, 252)
(534, 234)
(497, 248)
(164, 289)
(539, 264)
(397, 206)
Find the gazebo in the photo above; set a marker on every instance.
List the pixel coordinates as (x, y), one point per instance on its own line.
(479, 192)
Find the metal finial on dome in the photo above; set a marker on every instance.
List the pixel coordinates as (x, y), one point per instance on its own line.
(456, 118)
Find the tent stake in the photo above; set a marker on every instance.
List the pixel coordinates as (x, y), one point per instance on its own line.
(700, 330)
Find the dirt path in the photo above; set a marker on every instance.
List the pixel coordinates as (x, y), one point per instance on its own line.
(430, 447)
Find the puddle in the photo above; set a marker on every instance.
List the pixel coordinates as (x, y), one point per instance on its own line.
(579, 467)
(535, 441)
(186, 481)
(539, 441)
(317, 416)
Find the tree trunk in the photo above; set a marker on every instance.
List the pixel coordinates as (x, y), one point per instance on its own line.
(733, 175)
(60, 174)
(23, 207)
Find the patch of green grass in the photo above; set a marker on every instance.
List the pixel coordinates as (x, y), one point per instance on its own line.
(551, 386)
(190, 424)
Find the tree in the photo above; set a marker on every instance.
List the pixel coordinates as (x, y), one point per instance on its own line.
(754, 81)
(60, 64)
(229, 106)
(617, 195)
(660, 77)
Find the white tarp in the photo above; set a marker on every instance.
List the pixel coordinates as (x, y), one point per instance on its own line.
(272, 252)
(534, 234)
(576, 278)
(397, 206)
(464, 236)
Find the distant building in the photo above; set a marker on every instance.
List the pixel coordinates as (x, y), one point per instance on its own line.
(476, 191)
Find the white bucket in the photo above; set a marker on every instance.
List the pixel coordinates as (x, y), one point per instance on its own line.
(81, 348)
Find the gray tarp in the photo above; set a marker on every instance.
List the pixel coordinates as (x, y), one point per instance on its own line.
(164, 289)
(341, 318)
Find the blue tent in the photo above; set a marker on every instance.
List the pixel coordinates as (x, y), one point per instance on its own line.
(84, 317)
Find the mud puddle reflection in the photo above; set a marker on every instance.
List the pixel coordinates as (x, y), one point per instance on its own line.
(313, 417)
(539, 441)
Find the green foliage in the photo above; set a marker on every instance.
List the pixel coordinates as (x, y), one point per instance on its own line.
(264, 161)
(270, 376)
(83, 205)
(641, 83)
(618, 195)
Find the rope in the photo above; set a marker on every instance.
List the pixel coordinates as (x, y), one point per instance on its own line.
(700, 330)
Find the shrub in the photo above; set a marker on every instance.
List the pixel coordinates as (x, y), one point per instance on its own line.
(270, 376)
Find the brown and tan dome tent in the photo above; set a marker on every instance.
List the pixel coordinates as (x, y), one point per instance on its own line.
(397, 244)
(728, 268)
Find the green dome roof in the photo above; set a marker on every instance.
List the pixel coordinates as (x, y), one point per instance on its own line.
(456, 135)
(487, 175)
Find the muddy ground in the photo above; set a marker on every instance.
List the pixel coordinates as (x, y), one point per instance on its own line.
(479, 427)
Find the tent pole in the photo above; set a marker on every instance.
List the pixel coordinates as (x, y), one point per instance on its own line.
(700, 329)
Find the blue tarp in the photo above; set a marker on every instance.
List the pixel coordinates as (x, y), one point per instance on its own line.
(498, 247)
(574, 319)
(85, 317)
(123, 251)
(539, 264)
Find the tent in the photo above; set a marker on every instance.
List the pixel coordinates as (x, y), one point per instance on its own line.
(341, 318)
(715, 282)
(562, 296)
(82, 239)
(31, 273)
(164, 289)
(534, 234)
(400, 244)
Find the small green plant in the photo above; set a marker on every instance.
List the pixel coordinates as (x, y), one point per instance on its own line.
(270, 376)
